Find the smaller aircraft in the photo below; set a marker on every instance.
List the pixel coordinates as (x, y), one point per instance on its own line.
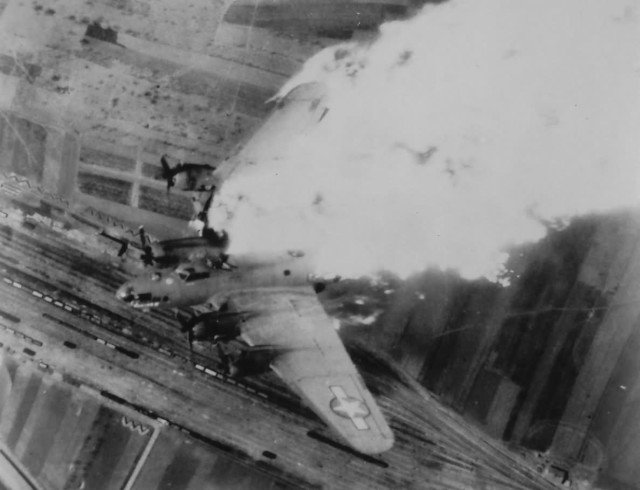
(197, 176)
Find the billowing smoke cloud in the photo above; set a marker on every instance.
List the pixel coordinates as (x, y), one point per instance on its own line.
(453, 136)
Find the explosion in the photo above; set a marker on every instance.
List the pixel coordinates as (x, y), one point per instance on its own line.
(450, 138)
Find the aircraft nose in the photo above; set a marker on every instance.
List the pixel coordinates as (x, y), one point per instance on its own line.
(125, 293)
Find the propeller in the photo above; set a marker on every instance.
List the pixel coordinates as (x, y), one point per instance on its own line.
(123, 248)
(205, 209)
(190, 340)
(168, 173)
(147, 252)
(124, 242)
(225, 359)
(187, 322)
(201, 212)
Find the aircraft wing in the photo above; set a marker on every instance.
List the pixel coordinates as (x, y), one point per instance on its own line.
(294, 115)
(315, 363)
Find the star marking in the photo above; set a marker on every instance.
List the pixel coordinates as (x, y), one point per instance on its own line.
(349, 407)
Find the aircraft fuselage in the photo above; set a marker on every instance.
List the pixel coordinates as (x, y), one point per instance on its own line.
(187, 287)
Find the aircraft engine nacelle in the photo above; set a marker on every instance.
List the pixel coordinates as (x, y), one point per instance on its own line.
(249, 361)
(213, 326)
(222, 327)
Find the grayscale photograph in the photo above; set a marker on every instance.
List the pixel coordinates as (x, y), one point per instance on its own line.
(319, 244)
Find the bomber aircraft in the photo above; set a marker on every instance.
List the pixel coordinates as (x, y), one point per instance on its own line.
(283, 325)
(269, 303)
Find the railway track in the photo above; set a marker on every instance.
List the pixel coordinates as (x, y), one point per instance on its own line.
(29, 255)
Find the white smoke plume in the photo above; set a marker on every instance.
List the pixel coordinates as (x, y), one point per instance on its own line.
(453, 136)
